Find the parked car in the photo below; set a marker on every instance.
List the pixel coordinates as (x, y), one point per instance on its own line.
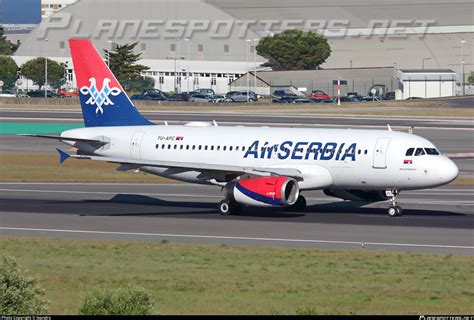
(243, 96)
(350, 99)
(68, 92)
(389, 96)
(7, 94)
(319, 94)
(220, 99)
(141, 97)
(208, 92)
(371, 98)
(414, 98)
(282, 94)
(154, 92)
(40, 94)
(200, 98)
(356, 95)
(285, 99)
(179, 97)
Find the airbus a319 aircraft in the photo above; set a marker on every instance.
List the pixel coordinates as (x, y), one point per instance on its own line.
(257, 166)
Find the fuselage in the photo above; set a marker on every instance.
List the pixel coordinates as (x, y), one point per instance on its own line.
(327, 158)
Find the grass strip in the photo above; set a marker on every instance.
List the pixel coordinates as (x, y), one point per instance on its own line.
(213, 279)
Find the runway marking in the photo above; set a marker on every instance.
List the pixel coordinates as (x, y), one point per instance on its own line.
(217, 237)
(407, 201)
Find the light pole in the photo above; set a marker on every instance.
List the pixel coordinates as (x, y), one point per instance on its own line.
(255, 62)
(175, 71)
(46, 67)
(188, 72)
(462, 68)
(423, 62)
(247, 67)
(178, 40)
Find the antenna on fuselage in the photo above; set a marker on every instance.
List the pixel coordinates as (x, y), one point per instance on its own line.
(166, 123)
(215, 123)
(411, 130)
(389, 127)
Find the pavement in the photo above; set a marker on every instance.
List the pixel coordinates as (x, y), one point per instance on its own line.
(435, 221)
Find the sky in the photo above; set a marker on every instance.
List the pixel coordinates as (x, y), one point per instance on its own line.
(20, 11)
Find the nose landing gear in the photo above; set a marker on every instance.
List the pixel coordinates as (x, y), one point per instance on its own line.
(393, 210)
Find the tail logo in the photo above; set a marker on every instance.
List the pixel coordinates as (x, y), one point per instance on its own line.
(100, 98)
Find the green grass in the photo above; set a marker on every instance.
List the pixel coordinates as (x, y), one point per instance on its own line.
(212, 279)
(40, 167)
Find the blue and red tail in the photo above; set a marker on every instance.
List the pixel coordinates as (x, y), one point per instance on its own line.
(103, 100)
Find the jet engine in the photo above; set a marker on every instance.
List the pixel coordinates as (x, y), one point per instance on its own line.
(264, 191)
(357, 195)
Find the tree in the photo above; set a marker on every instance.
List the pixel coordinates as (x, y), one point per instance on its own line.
(5, 45)
(123, 62)
(8, 71)
(138, 85)
(34, 70)
(123, 301)
(470, 80)
(295, 50)
(19, 293)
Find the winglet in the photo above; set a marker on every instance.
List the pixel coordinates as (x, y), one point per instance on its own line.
(63, 155)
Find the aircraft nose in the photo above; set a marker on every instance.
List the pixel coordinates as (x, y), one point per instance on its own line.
(449, 171)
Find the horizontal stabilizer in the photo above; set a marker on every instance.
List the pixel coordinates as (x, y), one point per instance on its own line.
(63, 138)
(63, 156)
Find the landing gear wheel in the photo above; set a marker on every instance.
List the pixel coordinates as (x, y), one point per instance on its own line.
(224, 208)
(395, 211)
(300, 205)
(227, 208)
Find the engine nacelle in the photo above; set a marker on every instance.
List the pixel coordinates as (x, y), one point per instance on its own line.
(357, 195)
(264, 192)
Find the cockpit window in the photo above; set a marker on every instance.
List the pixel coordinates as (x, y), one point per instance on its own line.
(419, 152)
(410, 152)
(432, 151)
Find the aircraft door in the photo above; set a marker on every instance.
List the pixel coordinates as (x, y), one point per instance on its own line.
(135, 145)
(380, 153)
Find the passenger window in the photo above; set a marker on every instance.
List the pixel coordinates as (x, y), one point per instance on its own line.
(200, 147)
(419, 152)
(205, 148)
(224, 148)
(410, 152)
(194, 147)
(181, 147)
(187, 147)
(212, 148)
(243, 148)
(365, 152)
(169, 146)
(175, 147)
(237, 148)
(218, 148)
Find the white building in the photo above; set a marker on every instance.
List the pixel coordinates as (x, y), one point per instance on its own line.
(214, 40)
(427, 83)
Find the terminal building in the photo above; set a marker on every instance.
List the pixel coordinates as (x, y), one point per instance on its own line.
(191, 44)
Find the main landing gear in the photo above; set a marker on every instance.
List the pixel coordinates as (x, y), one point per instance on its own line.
(393, 210)
(227, 207)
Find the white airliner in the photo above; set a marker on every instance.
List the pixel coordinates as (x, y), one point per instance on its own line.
(256, 166)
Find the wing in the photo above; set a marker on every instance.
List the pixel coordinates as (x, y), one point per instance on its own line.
(287, 172)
